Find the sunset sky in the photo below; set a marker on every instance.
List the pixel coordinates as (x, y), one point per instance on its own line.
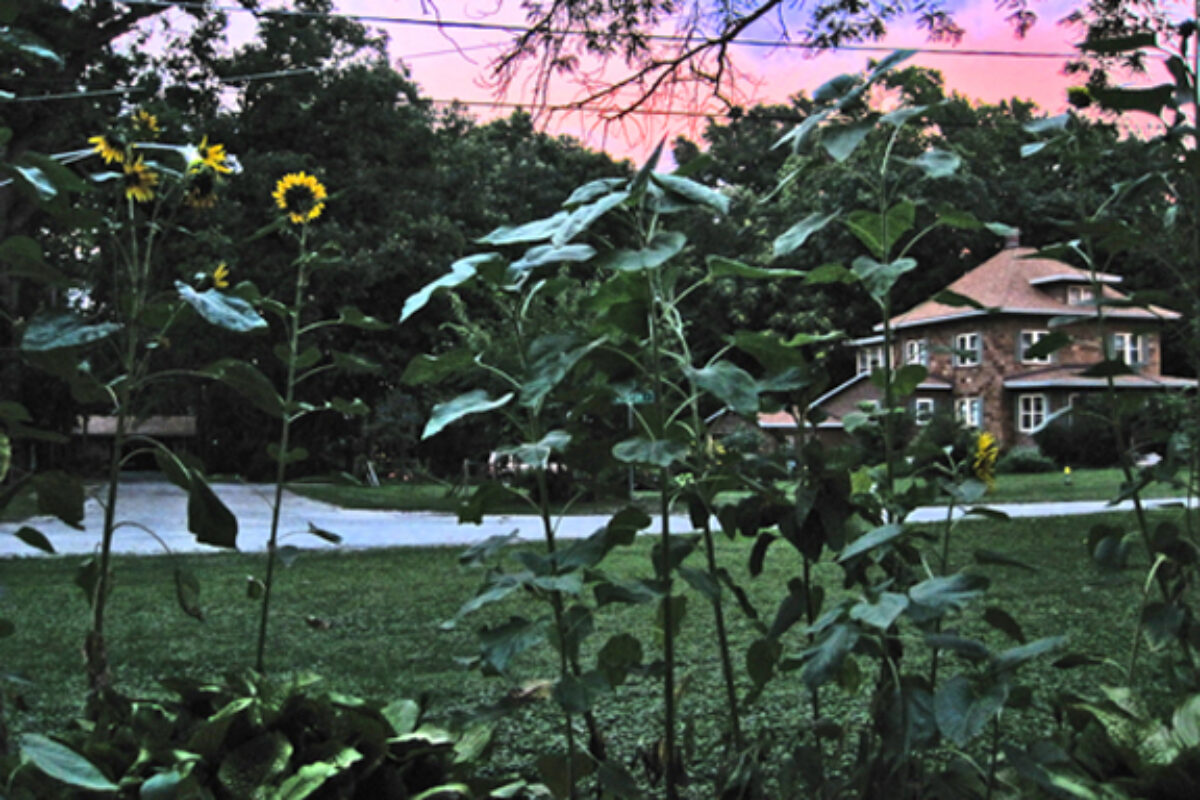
(452, 63)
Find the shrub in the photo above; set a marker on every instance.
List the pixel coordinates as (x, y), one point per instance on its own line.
(1079, 437)
(1025, 460)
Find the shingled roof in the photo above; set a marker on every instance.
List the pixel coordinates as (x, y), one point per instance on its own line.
(1012, 282)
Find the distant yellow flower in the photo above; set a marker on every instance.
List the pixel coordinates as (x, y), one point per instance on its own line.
(145, 122)
(984, 463)
(220, 276)
(301, 196)
(212, 156)
(109, 148)
(140, 181)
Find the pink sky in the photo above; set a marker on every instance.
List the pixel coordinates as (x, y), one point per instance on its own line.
(453, 64)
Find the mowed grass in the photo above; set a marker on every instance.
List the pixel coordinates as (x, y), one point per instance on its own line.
(369, 622)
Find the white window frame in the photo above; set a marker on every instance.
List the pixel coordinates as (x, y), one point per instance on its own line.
(1032, 411)
(868, 358)
(1080, 295)
(1027, 339)
(1126, 344)
(916, 351)
(923, 410)
(970, 342)
(969, 411)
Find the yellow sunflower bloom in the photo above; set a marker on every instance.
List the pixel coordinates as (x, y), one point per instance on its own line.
(984, 462)
(212, 156)
(301, 196)
(202, 190)
(220, 276)
(145, 122)
(140, 181)
(109, 148)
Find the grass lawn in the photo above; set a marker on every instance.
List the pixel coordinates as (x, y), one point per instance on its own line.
(1086, 484)
(384, 607)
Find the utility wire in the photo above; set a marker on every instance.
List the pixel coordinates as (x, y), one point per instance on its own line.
(473, 25)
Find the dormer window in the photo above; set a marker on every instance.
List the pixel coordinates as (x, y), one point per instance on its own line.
(1080, 295)
(968, 350)
(1028, 340)
(869, 358)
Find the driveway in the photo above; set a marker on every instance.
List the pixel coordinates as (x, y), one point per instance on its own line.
(162, 508)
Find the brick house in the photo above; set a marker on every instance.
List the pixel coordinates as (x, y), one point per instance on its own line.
(976, 358)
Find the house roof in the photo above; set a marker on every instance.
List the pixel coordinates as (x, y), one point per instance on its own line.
(1069, 378)
(1008, 283)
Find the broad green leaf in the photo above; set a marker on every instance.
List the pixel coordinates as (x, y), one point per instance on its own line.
(552, 360)
(476, 401)
(87, 578)
(949, 298)
(543, 254)
(589, 192)
(902, 115)
(702, 582)
(880, 612)
(310, 777)
(349, 408)
(461, 272)
(830, 273)
(208, 517)
(694, 192)
(676, 605)
(937, 163)
(172, 468)
(294, 455)
(187, 593)
(1161, 623)
(349, 315)
(1050, 343)
(798, 136)
(953, 217)
(730, 384)
(1016, 656)
(879, 233)
(246, 379)
(1002, 621)
(47, 332)
(1106, 368)
(349, 362)
(537, 454)
(836, 87)
(34, 538)
(60, 495)
(961, 714)
(538, 230)
(994, 558)
(869, 541)
(1055, 124)
(499, 644)
(934, 597)
(722, 267)
(254, 764)
(1033, 148)
(795, 236)
(823, 660)
(841, 141)
(621, 653)
(880, 278)
(558, 773)
(5, 455)
(585, 216)
(432, 369)
(37, 180)
(226, 311)
(28, 44)
(653, 452)
(761, 658)
(970, 649)
(906, 379)
(663, 246)
(769, 350)
(24, 257)
(63, 764)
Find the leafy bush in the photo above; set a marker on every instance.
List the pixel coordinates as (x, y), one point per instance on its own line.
(1025, 461)
(251, 737)
(1079, 438)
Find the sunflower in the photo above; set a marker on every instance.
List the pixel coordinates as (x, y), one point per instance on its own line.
(140, 181)
(108, 147)
(212, 156)
(301, 196)
(220, 276)
(145, 122)
(984, 462)
(202, 190)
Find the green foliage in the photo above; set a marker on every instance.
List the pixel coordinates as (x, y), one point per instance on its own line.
(1025, 461)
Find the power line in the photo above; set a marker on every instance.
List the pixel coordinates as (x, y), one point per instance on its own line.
(473, 25)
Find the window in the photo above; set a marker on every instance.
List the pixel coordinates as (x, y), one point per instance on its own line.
(1028, 340)
(923, 410)
(969, 411)
(869, 358)
(1130, 348)
(1031, 412)
(967, 350)
(916, 351)
(1080, 295)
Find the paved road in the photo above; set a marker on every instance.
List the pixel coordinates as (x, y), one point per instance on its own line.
(162, 508)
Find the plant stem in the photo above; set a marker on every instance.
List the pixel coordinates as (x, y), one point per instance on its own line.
(281, 467)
